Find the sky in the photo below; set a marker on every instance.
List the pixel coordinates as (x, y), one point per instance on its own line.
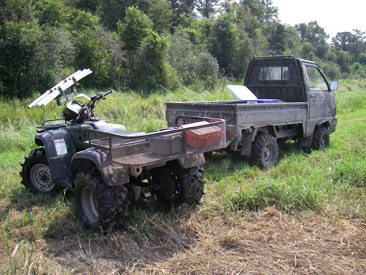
(332, 16)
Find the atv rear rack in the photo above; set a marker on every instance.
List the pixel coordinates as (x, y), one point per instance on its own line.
(196, 135)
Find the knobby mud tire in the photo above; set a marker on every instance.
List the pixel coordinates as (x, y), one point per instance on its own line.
(264, 151)
(36, 173)
(181, 186)
(100, 207)
(193, 186)
(321, 138)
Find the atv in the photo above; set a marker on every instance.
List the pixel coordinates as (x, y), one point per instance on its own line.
(108, 167)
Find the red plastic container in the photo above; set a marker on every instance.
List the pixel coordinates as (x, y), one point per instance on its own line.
(204, 137)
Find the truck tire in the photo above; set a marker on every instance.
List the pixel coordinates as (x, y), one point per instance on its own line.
(321, 138)
(264, 150)
(36, 173)
(100, 207)
(183, 186)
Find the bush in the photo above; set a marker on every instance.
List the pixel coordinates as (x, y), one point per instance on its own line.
(331, 70)
(37, 62)
(98, 50)
(191, 63)
(150, 71)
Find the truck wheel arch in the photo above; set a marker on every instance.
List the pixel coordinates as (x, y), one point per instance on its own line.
(269, 130)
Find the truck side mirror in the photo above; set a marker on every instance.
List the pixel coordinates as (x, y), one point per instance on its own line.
(333, 85)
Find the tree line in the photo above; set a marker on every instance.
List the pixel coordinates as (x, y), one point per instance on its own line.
(156, 44)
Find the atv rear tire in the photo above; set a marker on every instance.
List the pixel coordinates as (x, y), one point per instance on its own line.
(36, 174)
(321, 138)
(181, 186)
(264, 150)
(100, 207)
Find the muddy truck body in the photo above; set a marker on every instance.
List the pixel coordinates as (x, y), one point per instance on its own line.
(283, 98)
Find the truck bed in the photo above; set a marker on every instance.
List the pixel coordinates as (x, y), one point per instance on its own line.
(241, 115)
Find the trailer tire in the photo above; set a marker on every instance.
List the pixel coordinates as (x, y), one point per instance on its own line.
(181, 186)
(100, 207)
(36, 173)
(264, 150)
(321, 138)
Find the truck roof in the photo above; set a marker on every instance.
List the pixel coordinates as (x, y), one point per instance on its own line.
(287, 56)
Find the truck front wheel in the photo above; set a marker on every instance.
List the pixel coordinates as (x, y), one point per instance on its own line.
(264, 150)
(36, 174)
(100, 207)
(321, 138)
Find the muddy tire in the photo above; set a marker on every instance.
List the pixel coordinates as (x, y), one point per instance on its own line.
(264, 151)
(98, 206)
(321, 138)
(36, 173)
(181, 186)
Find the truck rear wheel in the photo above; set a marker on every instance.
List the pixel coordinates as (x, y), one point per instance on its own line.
(100, 207)
(264, 150)
(321, 138)
(36, 174)
(183, 186)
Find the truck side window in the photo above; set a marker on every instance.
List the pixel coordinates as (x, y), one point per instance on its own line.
(274, 73)
(316, 80)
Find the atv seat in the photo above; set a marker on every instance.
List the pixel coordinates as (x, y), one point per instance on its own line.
(51, 127)
(118, 129)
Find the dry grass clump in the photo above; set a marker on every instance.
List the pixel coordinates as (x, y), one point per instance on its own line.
(208, 242)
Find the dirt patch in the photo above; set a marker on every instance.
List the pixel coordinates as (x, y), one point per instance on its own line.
(206, 242)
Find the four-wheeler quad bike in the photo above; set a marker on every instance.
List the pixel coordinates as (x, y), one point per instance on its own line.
(108, 167)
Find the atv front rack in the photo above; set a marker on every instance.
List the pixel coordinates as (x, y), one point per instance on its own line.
(196, 135)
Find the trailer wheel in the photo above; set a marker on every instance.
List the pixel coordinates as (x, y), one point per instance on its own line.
(100, 207)
(181, 186)
(321, 138)
(36, 174)
(264, 150)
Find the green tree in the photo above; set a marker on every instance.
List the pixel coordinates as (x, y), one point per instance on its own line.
(315, 35)
(261, 9)
(136, 27)
(96, 49)
(191, 63)
(51, 12)
(223, 41)
(207, 8)
(277, 39)
(354, 43)
(160, 13)
(150, 69)
(31, 56)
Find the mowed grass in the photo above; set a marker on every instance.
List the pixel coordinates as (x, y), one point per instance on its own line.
(320, 191)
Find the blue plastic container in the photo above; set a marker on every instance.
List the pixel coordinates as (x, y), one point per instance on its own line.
(261, 101)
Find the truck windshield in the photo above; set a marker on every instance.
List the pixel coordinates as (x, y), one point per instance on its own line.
(316, 80)
(274, 73)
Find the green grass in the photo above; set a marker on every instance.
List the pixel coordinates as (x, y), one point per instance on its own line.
(330, 182)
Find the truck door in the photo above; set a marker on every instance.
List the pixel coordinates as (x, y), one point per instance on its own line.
(320, 98)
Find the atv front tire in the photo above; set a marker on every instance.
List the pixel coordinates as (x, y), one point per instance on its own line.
(36, 173)
(100, 207)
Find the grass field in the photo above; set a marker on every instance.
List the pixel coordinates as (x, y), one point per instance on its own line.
(306, 215)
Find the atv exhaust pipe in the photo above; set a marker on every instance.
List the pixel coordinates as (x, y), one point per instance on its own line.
(135, 171)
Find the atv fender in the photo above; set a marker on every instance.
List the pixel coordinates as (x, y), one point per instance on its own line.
(59, 150)
(192, 160)
(86, 159)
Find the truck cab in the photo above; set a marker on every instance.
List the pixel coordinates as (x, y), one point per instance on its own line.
(292, 79)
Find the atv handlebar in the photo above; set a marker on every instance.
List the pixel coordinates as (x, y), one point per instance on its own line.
(94, 99)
